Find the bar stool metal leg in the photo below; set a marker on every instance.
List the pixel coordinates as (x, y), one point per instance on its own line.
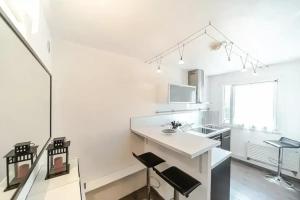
(280, 154)
(150, 160)
(176, 195)
(148, 184)
(278, 179)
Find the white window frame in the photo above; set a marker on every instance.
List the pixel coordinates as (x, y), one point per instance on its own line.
(232, 107)
(223, 104)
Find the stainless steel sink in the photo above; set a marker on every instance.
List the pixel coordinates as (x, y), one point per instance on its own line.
(169, 131)
(211, 126)
(204, 130)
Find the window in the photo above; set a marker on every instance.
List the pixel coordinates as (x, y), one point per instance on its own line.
(227, 104)
(251, 105)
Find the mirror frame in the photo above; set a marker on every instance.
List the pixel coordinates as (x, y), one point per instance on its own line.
(6, 19)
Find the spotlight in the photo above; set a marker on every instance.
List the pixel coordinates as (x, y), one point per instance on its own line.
(158, 70)
(181, 62)
(181, 50)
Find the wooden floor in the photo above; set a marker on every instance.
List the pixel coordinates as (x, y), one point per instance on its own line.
(141, 194)
(247, 183)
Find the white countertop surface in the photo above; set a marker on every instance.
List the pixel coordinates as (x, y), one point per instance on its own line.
(218, 155)
(66, 192)
(8, 194)
(61, 187)
(191, 145)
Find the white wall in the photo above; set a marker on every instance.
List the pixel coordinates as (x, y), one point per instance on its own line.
(95, 94)
(29, 19)
(288, 109)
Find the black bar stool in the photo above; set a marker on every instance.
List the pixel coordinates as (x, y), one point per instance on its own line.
(150, 160)
(179, 180)
(281, 144)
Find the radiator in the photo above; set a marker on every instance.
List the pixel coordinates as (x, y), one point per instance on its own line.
(269, 155)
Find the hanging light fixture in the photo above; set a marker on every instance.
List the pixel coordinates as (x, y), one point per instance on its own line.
(181, 50)
(180, 62)
(229, 46)
(158, 70)
(228, 49)
(244, 62)
(255, 73)
(254, 68)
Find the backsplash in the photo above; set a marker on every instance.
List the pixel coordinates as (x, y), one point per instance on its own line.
(194, 117)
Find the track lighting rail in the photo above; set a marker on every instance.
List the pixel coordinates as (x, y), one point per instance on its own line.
(230, 48)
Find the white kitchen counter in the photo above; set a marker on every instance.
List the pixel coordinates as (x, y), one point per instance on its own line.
(8, 194)
(190, 152)
(66, 192)
(218, 155)
(190, 145)
(59, 188)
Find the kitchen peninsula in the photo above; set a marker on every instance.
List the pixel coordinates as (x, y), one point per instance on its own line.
(189, 152)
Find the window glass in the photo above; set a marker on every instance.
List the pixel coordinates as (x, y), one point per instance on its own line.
(227, 104)
(250, 105)
(253, 105)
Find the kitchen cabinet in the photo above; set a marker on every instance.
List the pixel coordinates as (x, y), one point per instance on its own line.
(225, 140)
(220, 181)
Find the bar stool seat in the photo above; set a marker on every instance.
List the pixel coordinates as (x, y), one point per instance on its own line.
(150, 160)
(179, 180)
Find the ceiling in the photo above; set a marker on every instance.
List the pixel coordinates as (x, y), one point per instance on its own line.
(268, 29)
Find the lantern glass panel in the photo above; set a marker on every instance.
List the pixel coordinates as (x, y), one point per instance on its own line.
(58, 159)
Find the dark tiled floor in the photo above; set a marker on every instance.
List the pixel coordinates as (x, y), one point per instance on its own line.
(247, 183)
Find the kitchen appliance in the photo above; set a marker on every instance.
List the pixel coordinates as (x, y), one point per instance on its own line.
(196, 78)
(182, 93)
(224, 138)
(213, 126)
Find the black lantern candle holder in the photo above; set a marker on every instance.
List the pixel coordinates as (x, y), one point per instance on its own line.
(18, 162)
(58, 158)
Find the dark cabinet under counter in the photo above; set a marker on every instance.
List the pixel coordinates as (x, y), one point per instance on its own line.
(225, 140)
(220, 181)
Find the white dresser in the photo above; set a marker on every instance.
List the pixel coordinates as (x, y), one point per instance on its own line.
(66, 187)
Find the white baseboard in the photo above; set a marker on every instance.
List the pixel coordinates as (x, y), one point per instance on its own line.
(105, 180)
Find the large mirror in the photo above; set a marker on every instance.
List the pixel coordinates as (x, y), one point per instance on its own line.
(25, 104)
